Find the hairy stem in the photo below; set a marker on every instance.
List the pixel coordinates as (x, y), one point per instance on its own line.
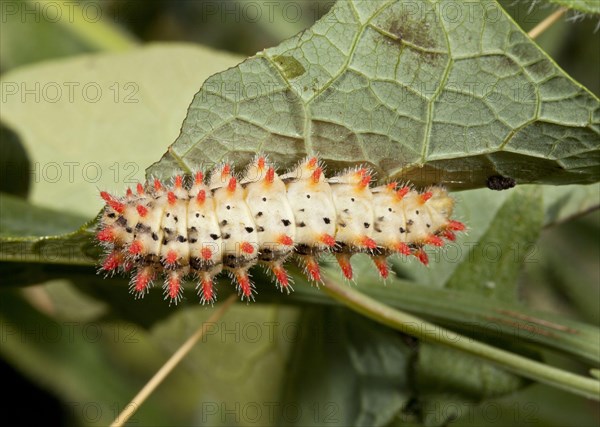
(426, 331)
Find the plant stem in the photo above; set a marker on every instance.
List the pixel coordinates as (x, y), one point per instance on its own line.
(170, 364)
(423, 330)
(547, 23)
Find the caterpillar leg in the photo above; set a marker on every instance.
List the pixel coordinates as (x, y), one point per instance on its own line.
(380, 262)
(206, 289)
(311, 268)
(112, 262)
(281, 276)
(142, 281)
(173, 288)
(343, 260)
(244, 284)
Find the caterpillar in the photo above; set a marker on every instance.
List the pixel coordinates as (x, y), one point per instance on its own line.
(200, 227)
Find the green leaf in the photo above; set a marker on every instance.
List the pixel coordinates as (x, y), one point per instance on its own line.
(96, 121)
(567, 269)
(448, 382)
(414, 92)
(14, 164)
(494, 263)
(472, 314)
(233, 375)
(346, 370)
(101, 365)
(566, 202)
(584, 6)
(368, 374)
(76, 360)
(445, 260)
(34, 31)
(442, 369)
(21, 219)
(32, 234)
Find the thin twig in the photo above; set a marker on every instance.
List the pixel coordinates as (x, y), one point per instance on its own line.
(173, 361)
(547, 23)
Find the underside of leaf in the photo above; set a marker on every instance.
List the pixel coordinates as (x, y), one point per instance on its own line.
(434, 92)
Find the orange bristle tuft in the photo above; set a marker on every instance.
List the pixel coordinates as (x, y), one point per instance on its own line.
(312, 162)
(127, 266)
(284, 239)
(171, 257)
(382, 267)
(316, 176)
(201, 197)
(171, 197)
(105, 196)
(174, 284)
(402, 248)
(232, 185)
(364, 182)
(226, 171)
(207, 291)
(367, 242)
(129, 193)
(327, 239)
(157, 185)
(281, 276)
(139, 188)
(136, 247)
(106, 235)
(421, 256)
(142, 210)
(178, 181)
(434, 240)
(117, 206)
(261, 163)
(270, 176)
(344, 262)
(449, 235)
(456, 225)
(312, 267)
(198, 178)
(206, 253)
(402, 192)
(243, 280)
(425, 196)
(112, 261)
(247, 248)
(392, 186)
(142, 280)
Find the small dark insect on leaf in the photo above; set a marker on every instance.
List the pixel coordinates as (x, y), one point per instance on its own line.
(499, 182)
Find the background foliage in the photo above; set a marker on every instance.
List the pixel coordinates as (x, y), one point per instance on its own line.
(525, 278)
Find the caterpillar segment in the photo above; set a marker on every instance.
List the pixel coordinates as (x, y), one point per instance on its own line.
(266, 197)
(311, 200)
(198, 226)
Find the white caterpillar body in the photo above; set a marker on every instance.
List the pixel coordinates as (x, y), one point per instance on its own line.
(228, 224)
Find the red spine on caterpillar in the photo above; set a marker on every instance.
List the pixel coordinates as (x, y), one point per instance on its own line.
(196, 228)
